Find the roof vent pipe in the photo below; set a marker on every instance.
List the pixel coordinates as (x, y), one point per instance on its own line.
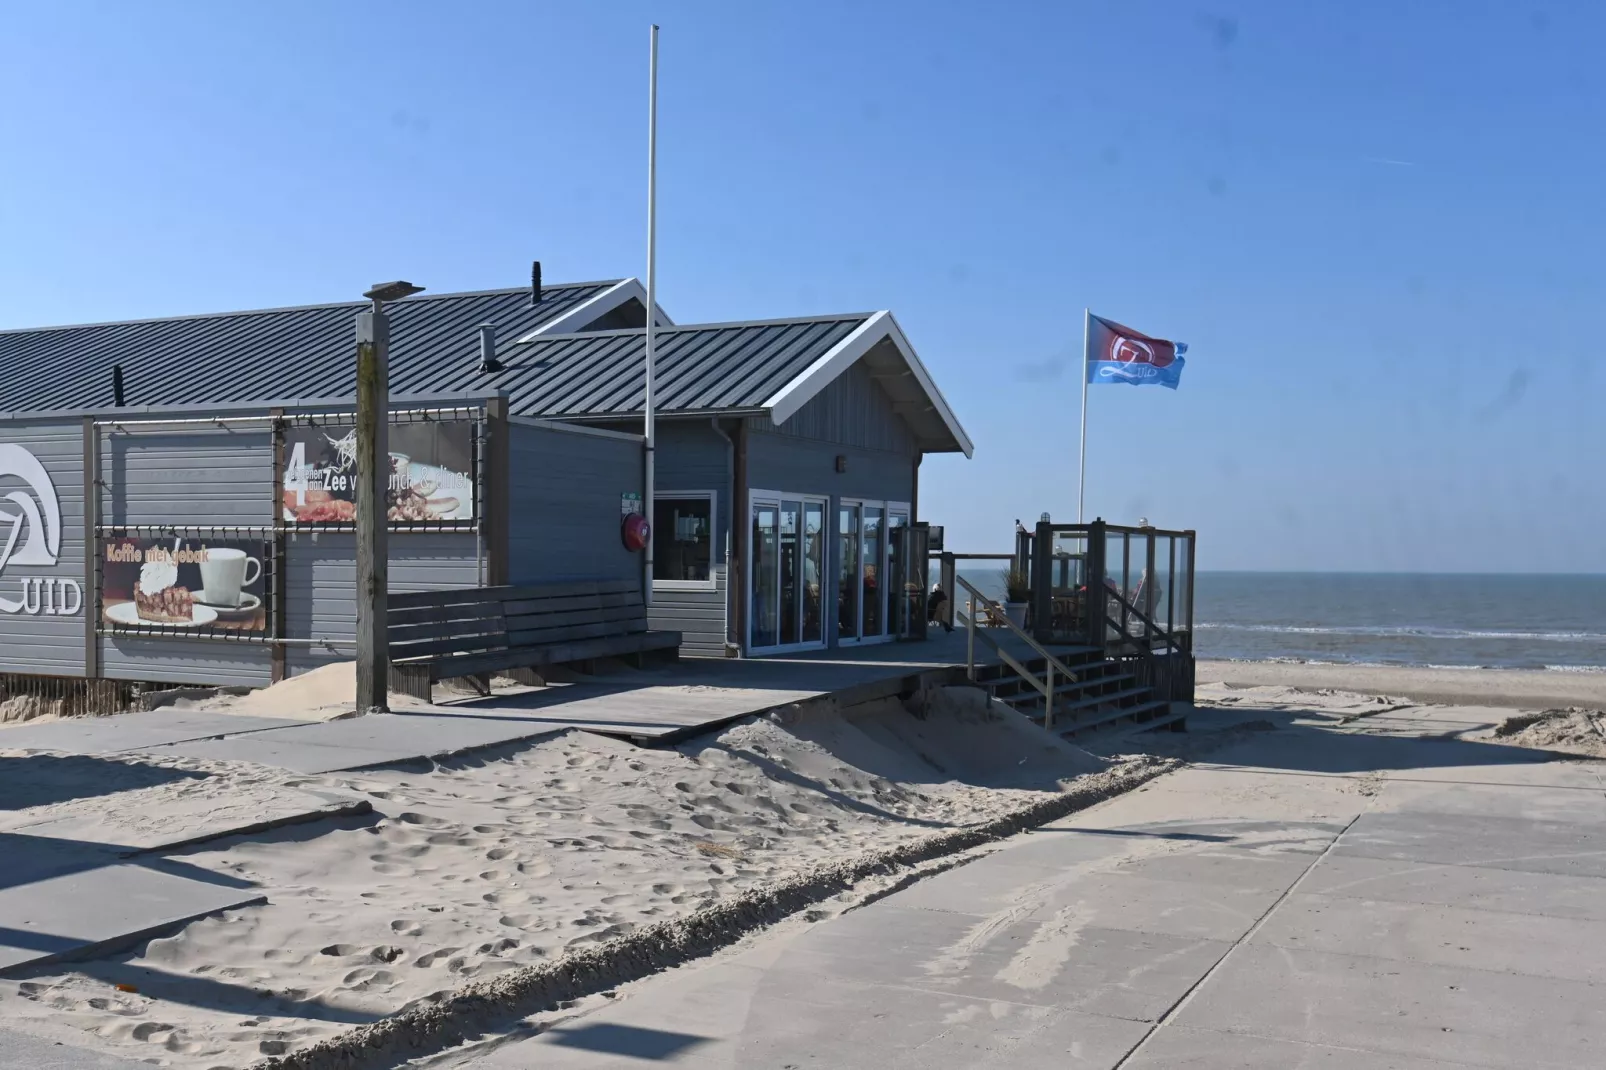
(488, 361)
(535, 283)
(117, 385)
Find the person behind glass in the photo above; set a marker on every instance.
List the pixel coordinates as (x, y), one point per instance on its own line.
(935, 607)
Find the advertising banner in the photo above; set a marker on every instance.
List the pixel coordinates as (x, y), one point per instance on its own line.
(431, 473)
(184, 584)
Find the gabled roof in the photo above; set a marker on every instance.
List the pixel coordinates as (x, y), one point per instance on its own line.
(277, 352)
(772, 367)
(760, 366)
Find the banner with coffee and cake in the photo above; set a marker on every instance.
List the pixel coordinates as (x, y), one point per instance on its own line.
(184, 584)
(431, 473)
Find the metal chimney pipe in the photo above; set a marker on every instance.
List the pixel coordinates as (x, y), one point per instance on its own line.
(117, 385)
(488, 361)
(535, 283)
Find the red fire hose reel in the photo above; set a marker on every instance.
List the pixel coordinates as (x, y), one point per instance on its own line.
(636, 532)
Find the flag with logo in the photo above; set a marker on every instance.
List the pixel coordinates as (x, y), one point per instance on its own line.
(1117, 354)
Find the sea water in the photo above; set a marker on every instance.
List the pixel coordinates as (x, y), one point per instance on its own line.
(1475, 621)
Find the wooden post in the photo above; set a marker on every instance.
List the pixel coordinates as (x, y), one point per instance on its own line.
(1096, 600)
(91, 594)
(1048, 701)
(970, 639)
(1043, 582)
(736, 578)
(276, 592)
(373, 481)
(497, 507)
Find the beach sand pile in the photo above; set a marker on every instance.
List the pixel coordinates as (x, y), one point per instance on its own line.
(526, 854)
(1570, 731)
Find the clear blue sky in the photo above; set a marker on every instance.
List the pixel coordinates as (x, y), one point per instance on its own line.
(1378, 225)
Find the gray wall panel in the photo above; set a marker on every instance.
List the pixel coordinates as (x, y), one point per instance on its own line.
(211, 476)
(698, 615)
(783, 463)
(42, 643)
(185, 661)
(565, 518)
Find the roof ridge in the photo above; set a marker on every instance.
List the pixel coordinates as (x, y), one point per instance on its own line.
(780, 321)
(357, 303)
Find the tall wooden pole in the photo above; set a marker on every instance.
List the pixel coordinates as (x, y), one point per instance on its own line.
(373, 480)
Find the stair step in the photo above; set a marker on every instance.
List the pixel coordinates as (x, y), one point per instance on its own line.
(1082, 724)
(1100, 700)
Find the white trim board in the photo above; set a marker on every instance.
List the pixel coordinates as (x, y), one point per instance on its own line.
(785, 403)
(590, 311)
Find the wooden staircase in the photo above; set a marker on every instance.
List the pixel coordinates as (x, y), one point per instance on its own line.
(1071, 691)
(1100, 695)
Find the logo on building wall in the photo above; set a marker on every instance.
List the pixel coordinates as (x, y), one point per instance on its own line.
(30, 534)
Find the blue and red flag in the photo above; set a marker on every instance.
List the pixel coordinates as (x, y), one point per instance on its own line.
(1118, 354)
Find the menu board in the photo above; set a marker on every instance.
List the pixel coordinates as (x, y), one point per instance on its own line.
(431, 473)
(184, 584)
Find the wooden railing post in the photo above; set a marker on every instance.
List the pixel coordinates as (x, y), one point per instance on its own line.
(1048, 701)
(970, 639)
(1096, 602)
(1042, 576)
(946, 572)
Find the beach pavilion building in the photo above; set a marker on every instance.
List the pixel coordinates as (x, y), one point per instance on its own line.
(788, 460)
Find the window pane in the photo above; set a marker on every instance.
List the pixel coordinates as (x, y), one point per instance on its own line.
(682, 538)
(848, 572)
(790, 579)
(902, 592)
(813, 568)
(874, 589)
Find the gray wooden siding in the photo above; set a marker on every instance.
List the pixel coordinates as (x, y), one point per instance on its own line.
(47, 644)
(565, 519)
(699, 616)
(321, 601)
(691, 455)
(212, 476)
(782, 463)
(852, 410)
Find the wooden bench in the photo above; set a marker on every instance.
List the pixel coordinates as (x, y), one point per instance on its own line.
(473, 632)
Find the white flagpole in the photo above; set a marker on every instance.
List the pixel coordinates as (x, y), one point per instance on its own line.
(652, 301)
(1081, 454)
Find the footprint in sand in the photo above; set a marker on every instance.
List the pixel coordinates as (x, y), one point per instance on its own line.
(517, 921)
(405, 927)
(386, 953)
(498, 947)
(496, 854)
(338, 950)
(413, 818)
(431, 958)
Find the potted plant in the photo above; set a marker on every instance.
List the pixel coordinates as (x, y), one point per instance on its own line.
(1017, 593)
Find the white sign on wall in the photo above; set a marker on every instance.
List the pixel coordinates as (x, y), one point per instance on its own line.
(30, 534)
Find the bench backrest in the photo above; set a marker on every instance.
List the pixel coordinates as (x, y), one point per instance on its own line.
(475, 619)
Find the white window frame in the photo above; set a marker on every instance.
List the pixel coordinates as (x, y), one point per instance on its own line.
(712, 582)
(755, 496)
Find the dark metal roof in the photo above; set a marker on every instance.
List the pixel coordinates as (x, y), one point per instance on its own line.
(272, 353)
(697, 368)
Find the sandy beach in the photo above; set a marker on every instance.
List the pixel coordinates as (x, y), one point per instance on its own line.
(1512, 688)
(509, 858)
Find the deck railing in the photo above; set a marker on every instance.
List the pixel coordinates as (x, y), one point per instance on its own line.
(1055, 670)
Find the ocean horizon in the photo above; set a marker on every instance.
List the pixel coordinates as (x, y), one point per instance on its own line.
(1553, 622)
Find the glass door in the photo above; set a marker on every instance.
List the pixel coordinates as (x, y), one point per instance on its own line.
(765, 608)
(786, 563)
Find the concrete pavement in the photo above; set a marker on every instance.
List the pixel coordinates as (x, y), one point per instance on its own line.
(1320, 894)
